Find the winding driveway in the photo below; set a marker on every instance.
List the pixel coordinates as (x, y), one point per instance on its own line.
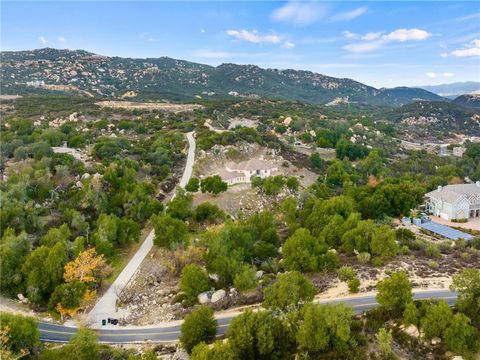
(107, 305)
(171, 333)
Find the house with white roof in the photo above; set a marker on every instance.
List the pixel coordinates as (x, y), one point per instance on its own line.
(453, 202)
(235, 173)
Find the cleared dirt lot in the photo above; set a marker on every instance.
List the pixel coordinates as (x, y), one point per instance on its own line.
(241, 198)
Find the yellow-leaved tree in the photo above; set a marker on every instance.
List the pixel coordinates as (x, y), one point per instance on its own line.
(80, 277)
(86, 267)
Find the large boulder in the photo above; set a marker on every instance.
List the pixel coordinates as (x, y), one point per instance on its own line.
(218, 295)
(180, 354)
(213, 277)
(204, 297)
(412, 330)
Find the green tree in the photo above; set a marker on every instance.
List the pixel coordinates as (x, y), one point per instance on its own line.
(260, 335)
(324, 327)
(293, 183)
(460, 336)
(437, 319)
(272, 185)
(360, 238)
(472, 150)
(289, 210)
(13, 250)
(256, 181)
(218, 351)
(346, 273)
(199, 326)
(105, 233)
(51, 261)
(383, 242)
(354, 285)
(316, 161)
(289, 290)
(246, 279)
(384, 341)
(303, 252)
(55, 235)
(207, 212)
(169, 232)
(347, 149)
(323, 211)
(180, 207)
(193, 184)
(395, 292)
(83, 345)
(261, 222)
(213, 184)
(22, 334)
(193, 281)
(372, 164)
(69, 295)
(410, 314)
(467, 284)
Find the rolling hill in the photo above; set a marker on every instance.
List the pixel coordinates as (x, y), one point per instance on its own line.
(471, 101)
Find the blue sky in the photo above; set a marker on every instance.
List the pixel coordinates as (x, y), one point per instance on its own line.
(387, 44)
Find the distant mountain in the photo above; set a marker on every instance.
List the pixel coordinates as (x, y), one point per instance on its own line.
(471, 101)
(454, 89)
(53, 70)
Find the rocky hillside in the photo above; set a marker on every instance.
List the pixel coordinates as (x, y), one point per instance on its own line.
(471, 101)
(441, 116)
(52, 70)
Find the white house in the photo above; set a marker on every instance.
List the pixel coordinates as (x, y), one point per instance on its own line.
(242, 172)
(453, 202)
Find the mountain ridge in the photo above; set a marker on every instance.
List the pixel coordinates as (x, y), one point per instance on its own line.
(43, 70)
(454, 89)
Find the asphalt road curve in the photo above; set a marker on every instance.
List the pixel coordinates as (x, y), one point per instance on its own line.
(165, 334)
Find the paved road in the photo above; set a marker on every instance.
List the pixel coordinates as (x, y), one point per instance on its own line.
(105, 307)
(59, 333)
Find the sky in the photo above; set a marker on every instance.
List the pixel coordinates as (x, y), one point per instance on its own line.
(380, 43)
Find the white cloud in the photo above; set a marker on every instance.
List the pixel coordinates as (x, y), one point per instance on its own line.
(375, 40)
(371, 36)
(407, 35)
(288, 45)
(350, 35)
(43, 40)
(349, 15)
(147, 37)
(254, 36)
(299, 13)
(434, 75)
(202, 31)
(62, 40)
(471, 49)
(360, 47)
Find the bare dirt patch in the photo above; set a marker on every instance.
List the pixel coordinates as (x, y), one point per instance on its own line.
(149, 106)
